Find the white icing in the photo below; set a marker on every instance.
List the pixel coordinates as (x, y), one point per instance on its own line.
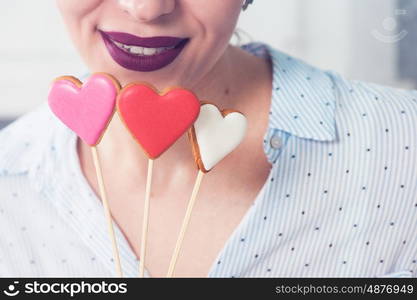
(217, 136)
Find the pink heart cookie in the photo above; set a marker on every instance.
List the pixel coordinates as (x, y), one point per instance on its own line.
(85, 108)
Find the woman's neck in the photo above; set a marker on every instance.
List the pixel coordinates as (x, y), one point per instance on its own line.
(221, 87)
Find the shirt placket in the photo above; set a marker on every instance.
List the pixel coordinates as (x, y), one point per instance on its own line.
(274, 142)
(235, 260)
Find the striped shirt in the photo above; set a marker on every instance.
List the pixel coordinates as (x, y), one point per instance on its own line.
(340, 199)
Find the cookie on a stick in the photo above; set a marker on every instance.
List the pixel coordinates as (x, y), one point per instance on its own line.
(214, 135)
(87, 109)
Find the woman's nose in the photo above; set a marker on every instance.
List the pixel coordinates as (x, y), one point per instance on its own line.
(147, 10)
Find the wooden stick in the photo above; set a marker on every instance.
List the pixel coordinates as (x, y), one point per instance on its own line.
(185, 223)
(145, 222)
(107, 213)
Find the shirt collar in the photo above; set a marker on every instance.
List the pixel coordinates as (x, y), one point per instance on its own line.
(303, 98)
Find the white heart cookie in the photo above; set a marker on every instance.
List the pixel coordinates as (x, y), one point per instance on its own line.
(215, 134)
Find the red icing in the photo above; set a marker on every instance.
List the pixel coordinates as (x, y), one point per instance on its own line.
(157, 121)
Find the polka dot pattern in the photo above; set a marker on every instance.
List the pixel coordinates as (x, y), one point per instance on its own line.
(345, 174)
(339, 200)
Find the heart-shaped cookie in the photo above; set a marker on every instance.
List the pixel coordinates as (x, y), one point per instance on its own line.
(156, 120)
(85, 108)
(215, 134)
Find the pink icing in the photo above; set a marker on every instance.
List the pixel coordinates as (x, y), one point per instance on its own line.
(86, 110)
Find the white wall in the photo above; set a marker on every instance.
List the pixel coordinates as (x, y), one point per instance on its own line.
(34, 50)
(332, 34)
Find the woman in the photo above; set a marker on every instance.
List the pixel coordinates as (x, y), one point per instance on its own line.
(323, 185)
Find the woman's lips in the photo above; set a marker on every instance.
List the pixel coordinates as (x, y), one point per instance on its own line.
(142, 54)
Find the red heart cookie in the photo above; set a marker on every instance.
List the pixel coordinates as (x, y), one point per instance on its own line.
(156, 120)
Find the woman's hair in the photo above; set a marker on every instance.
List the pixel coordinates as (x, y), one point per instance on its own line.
(246, 4)
(240, 37)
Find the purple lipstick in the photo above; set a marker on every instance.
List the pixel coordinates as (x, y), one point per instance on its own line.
(142, 54)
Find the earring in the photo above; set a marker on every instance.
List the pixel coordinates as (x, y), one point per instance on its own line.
(246, 4)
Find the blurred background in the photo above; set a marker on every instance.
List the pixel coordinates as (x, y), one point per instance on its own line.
(371, 40)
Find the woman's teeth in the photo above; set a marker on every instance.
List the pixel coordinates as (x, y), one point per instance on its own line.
(136, 50)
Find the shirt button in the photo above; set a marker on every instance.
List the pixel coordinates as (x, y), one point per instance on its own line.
(276, 142)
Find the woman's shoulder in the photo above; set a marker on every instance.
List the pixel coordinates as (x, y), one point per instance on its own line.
(306, 94)
(304, 71)
(359, 89)
(25, 139)
(285, 63)
(377, 104)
